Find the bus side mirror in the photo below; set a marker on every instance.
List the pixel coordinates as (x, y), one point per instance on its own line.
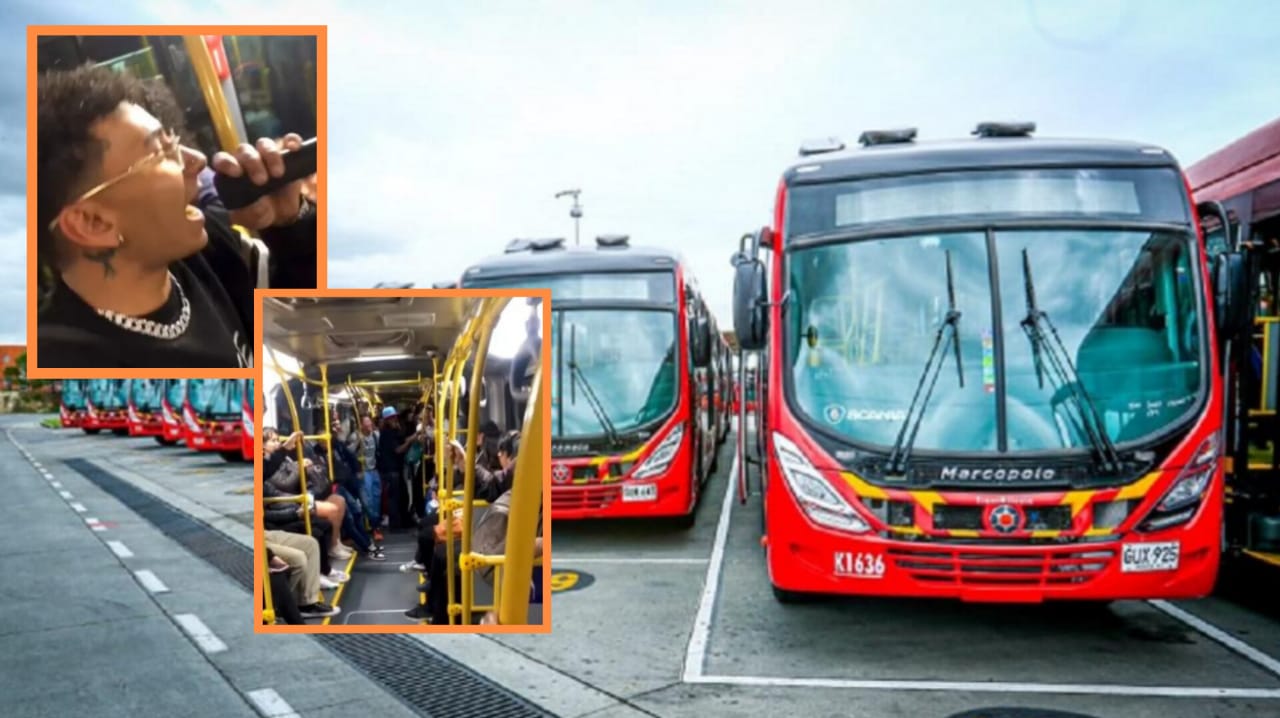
(1230, 294)
(701, 342)
(750, 293)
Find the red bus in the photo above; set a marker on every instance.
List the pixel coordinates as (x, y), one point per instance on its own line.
(630, 345)
(105, 407)
(145, 418)
(1244, 179)
(73, 404)
(246, 420)
(994, 378)
(212, 413)
(172, 399)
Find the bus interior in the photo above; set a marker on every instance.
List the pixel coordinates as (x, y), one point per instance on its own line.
(332, 362)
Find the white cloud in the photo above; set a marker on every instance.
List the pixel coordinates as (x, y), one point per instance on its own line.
(451, 127)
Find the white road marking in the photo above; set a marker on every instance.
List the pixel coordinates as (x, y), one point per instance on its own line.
(120, 549)
(79, 507)
(95, 524)
(66, 495)
(696, 653)
(270, 704)
(1219, 635)
(993, 687)
(626, 560)
(200, 633)
(56, 484)
(150, 581)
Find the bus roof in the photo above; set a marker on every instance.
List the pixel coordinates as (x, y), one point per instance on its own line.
(571, 260)
(1249, 163)
(979, 153)
(364, 335)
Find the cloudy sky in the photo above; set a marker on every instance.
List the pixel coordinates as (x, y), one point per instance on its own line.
(451, 129)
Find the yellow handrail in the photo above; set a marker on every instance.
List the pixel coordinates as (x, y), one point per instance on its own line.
(302, 474)
(211, 88)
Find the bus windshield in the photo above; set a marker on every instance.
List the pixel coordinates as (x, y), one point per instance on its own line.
(175, 390)
(107, 393)
(145, 394)
(73, 394)
(214, 398)
(1126, 306)
(625, 358)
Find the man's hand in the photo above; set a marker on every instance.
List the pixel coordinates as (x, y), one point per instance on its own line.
(278, 564)
(306, 463)
(262, 162)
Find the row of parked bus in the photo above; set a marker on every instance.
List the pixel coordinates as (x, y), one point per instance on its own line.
(1003, 368)
(204, 414)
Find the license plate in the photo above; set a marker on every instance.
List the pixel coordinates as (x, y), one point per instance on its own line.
(640, 492)
(1140, 557)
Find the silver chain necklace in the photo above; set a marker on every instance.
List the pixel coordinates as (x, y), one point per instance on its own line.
(172, 330)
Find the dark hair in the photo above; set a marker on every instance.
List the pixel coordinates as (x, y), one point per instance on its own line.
(509, 444)
(490, 429)
(268, 432)
(68, 156)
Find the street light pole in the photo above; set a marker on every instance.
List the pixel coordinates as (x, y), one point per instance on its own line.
(575, 211)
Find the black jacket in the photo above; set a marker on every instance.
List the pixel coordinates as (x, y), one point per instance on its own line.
(218, 282)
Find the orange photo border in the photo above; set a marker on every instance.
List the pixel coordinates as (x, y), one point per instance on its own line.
(322, 131)
(258, 544)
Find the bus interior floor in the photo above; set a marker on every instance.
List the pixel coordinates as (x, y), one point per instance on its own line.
(378, 594)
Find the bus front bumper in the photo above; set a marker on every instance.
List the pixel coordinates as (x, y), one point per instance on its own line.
(808, 559)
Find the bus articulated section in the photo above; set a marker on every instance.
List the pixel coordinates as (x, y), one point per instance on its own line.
(994, 378)
(633, 422)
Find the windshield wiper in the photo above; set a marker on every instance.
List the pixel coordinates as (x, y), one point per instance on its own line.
(911, 424)
(576, 375)
(1064, 374)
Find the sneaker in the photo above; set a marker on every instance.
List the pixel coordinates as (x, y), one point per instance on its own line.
(417, 613)
(376, 554)
(339, 576)
(319, 609)
(342, 553)
(328, 585)
(386, 522)
(411, 567)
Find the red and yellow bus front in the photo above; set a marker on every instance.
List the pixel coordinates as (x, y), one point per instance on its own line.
(144, 415)
(623, 442)
(72, 407)
(1004, 407)
(246, 421)
(654, 479)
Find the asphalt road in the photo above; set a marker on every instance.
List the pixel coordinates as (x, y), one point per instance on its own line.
(654, 620)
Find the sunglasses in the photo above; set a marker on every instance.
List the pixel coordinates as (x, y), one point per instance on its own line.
(170, 149)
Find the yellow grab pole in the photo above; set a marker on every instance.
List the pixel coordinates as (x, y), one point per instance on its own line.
(268, 610)
(211, 88)
(492, 309)
(522, 521)
(328, 428)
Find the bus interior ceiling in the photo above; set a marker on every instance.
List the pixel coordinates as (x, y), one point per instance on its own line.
(389, 348)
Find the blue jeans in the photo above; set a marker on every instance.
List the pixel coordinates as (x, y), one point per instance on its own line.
(351, 522)
(372, 498)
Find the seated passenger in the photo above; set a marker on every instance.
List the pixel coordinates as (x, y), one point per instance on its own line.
(489, 537)
(132, 273)
(283, 478)
(301, 554)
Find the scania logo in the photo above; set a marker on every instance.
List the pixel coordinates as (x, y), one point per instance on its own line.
(1037, 473)
(559, 473)
(1004, 518)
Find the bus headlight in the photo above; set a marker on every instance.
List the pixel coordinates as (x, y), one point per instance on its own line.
(815, 494)
(662, 456)
(1182, 499)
